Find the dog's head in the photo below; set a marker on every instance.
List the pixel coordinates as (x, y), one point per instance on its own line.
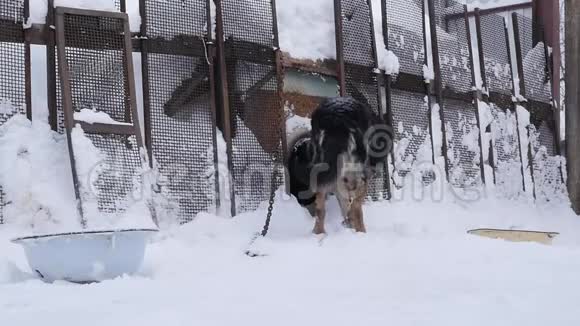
(353, 174)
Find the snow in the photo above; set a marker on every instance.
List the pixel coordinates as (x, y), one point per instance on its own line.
(94, 116)
(428, 73)
(224, 173)
(306, 28)
(6, 107)
(523, 125)
(35, 175)
(389, 62)
(415, 265)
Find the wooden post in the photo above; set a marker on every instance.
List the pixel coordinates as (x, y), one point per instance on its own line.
(572, 74)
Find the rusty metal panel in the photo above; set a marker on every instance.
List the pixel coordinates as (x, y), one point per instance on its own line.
(533, 60)
(460, 113)
(358, 69)
(14, 68)
(535, 87)
(55, 110)
(179, 105)
(405, 36)
(495, 54)
(412, 147)
(96, 73)
(497, 75)
(407, 100)
(249, 68)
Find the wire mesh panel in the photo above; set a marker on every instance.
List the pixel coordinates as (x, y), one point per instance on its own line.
(98, 97)
(412, 148)
(533, 58)
(14, 56)
(495, 54)
(56, 112)
(250, 44)
(360, 62)
(405, 34)
(408, 105)
(504, 128)
(179, 113)
(546, 165)
(506, 151)
(463, 150)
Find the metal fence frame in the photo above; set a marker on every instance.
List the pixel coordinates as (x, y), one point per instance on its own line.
(60, 110)
(130, 110)
(343, 79)
(13, 31)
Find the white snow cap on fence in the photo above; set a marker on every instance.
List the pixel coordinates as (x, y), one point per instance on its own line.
(388, 62)
(428, 73)
(94, 116)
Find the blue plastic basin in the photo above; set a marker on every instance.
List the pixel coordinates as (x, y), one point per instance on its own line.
(84, 257)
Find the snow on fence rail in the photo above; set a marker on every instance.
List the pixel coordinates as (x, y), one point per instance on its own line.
(464, 93)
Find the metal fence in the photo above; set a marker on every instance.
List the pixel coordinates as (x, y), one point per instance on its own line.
(15, 90)
(96, 73)
(179, 105)
(195, 83)
(357, 76)
(458, 103)
(535, 86)
(408, 103)
(247, 37)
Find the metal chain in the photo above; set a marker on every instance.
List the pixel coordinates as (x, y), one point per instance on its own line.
(277, 157)
(273, 183)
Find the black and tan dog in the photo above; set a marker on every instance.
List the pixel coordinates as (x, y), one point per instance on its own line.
(339, 155)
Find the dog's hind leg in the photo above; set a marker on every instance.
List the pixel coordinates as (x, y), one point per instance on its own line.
(320, 212)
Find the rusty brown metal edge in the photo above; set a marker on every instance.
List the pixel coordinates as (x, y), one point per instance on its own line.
(339, 47)
(131, 112)
(281, 157)
(224, 95)
(67, 107)
(487, 98)
(381, 110)
(475, 93)
(427, 88)
(27, 64)
(514, 105)
(495, 10)
(522, 85)
(145, 81)
(388, 83)
(90, 12)
(212, 103)
(437, 81)
(480, 48)
(105, 128)
(51, 57)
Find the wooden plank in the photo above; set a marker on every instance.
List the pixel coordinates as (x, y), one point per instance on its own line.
(542, 237)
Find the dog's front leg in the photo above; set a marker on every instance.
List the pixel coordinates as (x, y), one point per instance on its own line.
(356, 212)
(356, 217)
(320, 212)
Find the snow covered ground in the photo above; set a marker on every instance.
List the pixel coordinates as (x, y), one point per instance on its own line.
(415, 266)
